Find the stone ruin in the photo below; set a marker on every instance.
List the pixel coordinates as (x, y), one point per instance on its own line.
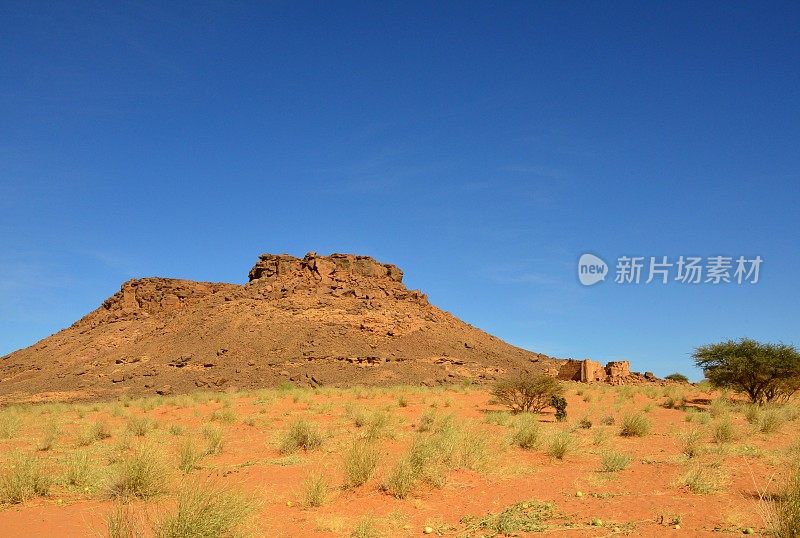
(589, 371)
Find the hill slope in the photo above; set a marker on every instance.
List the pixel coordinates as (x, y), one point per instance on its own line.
(320, 320)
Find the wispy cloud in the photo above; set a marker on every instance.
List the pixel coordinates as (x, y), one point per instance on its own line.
(550, 172)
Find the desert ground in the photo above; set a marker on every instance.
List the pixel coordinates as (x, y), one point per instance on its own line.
(646, 460)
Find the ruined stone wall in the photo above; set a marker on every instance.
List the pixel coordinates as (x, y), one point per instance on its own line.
(570, 370)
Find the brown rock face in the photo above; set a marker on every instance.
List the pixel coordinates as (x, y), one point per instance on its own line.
(318, 320)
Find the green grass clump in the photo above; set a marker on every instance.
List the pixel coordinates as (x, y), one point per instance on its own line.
(499, 418)
(559, 445)
(426, 421)
(529, 516)
(771, 421)
(692, 443)
(78, 469)
(120, 522)
(752, 413)
(215, 440)
(188, 457)
(226, 415)
(10, 423)
(365, 528)
(315, 491)
(93, 432)
(378, 425)
(138, 425)
(300, 435)
(719, 407)
(785, 517)
(141, 474)
(23, 478)
(635, 425)
(612, 461)
(722, 431)
(49, 436)
(674, 400)
(360, 462)
(527, 435)
(432, 455)
(402, 479)
(206, 512)
(704, 480)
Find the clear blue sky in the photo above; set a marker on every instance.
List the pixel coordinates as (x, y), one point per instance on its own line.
(482, 147)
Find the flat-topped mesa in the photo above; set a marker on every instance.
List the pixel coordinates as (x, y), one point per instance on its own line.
(340, 275)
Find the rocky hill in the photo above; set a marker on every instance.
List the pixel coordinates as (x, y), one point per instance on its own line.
(318, 320)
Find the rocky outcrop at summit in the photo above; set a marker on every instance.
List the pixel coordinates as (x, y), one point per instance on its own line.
(340, 275)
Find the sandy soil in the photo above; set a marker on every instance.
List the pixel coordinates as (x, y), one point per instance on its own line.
(646, 499)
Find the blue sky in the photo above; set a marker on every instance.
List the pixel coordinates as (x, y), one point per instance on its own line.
(482, 147)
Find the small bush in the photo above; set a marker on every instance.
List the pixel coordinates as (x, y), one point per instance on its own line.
(142, 475)
(23, 479)
(585, 423)
(612, 461)
(527, 434)
(607, 420)
(527, 395)
(206, 512)
(301, 435)
(315, 491)
(360, 462)
(680, 378)
(635, 425)
(560, 445)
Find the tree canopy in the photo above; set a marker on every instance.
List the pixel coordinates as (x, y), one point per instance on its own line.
(765, 372)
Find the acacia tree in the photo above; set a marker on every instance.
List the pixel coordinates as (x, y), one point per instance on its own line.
(765, 372)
